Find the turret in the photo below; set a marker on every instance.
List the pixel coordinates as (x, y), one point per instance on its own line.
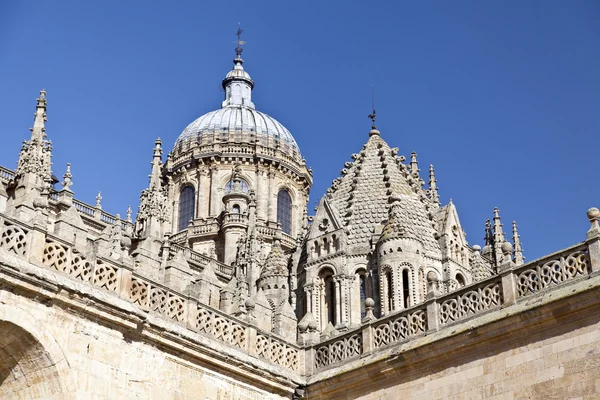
(33, 174)
(235, 218)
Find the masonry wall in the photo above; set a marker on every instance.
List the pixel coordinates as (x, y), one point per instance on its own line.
(48, 352)
(552, 352)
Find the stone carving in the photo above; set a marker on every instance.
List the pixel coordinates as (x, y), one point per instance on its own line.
(14, 239)
(220, 327)
(470, 303)
(399, 328)
(277, 352)
(553, 272)
(338, 350)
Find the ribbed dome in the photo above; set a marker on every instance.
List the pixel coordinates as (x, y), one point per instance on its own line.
(238, 121)
(245, 124)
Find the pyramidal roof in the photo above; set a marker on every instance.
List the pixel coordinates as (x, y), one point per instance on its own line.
(362, 196)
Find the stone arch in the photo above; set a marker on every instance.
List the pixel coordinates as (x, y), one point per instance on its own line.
(327, 298)
(32, 364)
(249, 179)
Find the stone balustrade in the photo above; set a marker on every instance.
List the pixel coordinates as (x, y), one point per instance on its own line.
(54, 253)
(201, 261)
(6, 175)
(441, 311)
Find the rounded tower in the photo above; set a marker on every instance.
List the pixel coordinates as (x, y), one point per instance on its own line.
(206, 196)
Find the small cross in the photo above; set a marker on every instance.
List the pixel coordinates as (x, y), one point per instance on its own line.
(373, 116)
(239, 41)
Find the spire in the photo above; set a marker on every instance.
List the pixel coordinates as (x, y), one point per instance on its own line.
(518, 251)
(38, 131)
(36, 153)
(156, 164)
(153, 215)
(414, 164)
(488, 233)
(498, 238)
(237, 84)
(433, 190)
(67, 182)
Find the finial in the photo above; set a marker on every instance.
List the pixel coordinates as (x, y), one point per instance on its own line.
(239, 42)
(433, 190)
(38, 131)
(98, 200)
(593, 215)
(488, 233)
(128, 214)
(414, 164)
(67, 182)
(373, 115)
(517, 250)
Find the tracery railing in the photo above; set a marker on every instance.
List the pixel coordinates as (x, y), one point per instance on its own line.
(149, 296)
(400, 327)
(569, 264)
(465, 303)
(338, 349)
(506, 288)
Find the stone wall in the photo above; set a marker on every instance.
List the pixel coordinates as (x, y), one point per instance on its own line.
(536, 351)
(59, 353)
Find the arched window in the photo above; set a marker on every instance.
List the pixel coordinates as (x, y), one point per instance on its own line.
(186, 207)
(405, 288)
(330, 300)
(235, 209)
(362, 291)
(284, 211)
(229, 186)
(390, 291)
(460, 279)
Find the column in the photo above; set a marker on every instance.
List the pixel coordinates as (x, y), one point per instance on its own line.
(271, 205)
(338, 299)
(214, 172)
(201, 198)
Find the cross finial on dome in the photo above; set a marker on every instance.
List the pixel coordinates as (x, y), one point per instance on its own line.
(373, 115)
(239, 42)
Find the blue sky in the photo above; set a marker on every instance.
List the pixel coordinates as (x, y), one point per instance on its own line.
(503, 97)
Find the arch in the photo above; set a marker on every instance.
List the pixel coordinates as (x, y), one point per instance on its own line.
(186, 206)
(387, 289)
(328, 299)
(460, 279)
(363, 289)
(244, 187)
(26, 346)
(406, 287)
(236, 209)
(284, 210)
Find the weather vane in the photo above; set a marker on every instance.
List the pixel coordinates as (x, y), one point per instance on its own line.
(239, 42)
(373, 115)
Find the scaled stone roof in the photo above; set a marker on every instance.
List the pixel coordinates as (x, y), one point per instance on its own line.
(362, 195)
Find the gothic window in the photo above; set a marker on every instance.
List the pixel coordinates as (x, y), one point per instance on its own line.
(243, 186)
(186, 207)
(284, 211)
(405, 288)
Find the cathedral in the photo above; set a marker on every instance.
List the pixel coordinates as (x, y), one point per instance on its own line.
(224, 287)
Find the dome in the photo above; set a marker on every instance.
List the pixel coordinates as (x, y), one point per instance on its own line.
(238, 121)
(241, 124)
